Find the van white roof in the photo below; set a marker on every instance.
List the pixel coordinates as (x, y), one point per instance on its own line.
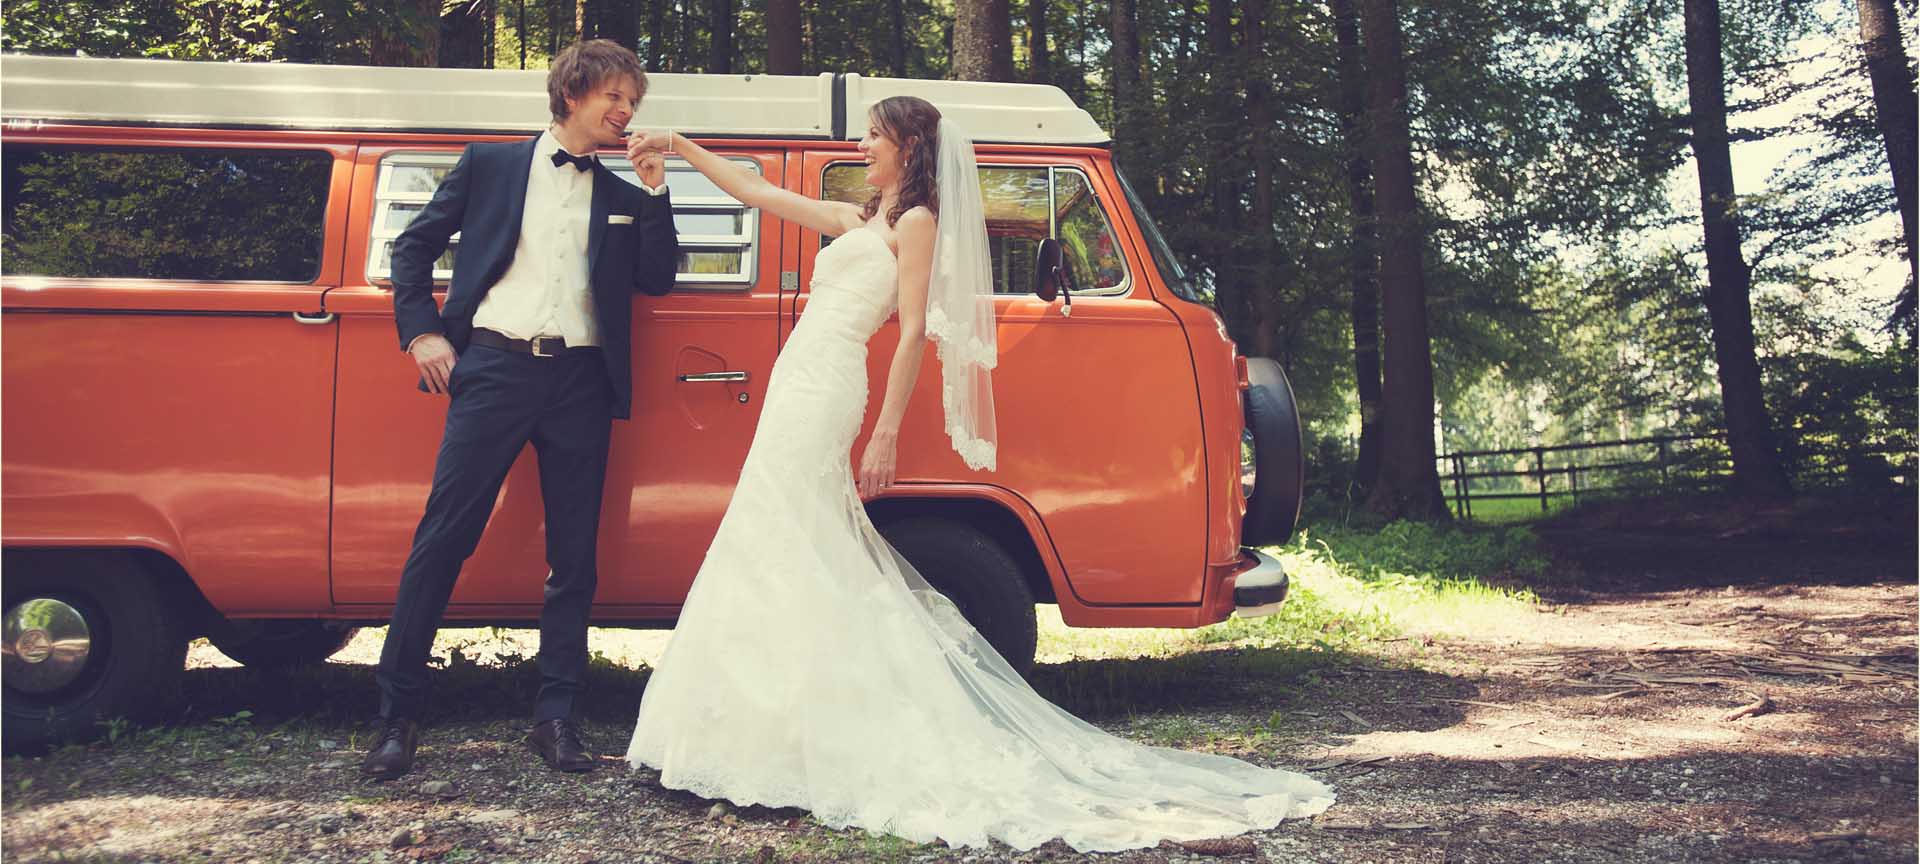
(304, 96)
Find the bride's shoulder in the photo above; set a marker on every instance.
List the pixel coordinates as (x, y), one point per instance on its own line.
(914, 227)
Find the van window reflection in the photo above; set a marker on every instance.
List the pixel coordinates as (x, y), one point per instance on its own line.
(165, 213)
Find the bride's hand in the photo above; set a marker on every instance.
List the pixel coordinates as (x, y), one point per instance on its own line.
(877, 463)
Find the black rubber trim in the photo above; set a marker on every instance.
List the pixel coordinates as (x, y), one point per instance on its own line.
(839, 106)
(1266, 583)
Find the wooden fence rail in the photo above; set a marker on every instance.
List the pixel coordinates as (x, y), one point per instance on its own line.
(1682, 463)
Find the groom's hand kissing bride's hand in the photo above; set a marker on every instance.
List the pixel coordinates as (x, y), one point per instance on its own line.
(876, 464)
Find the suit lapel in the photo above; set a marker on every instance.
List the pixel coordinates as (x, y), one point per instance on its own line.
(517, 186)
(605, 188)
(521, 164)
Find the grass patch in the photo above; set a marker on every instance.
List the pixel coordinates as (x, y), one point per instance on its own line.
(1352, 588)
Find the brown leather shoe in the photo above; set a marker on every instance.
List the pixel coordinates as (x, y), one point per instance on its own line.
(558, 742)
(392, 752)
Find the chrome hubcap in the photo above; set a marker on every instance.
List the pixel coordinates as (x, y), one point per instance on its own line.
(46, 645)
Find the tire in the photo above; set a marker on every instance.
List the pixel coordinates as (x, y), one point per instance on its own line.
(280, 644)
(134, 655)
(1280, 466)
(969, 568)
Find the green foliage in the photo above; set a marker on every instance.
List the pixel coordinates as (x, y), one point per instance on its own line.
(1420, 552)
(180, 215)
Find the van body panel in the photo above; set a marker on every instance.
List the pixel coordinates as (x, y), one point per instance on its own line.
(1112, 456)
(193, 417)
(1128, 496)
(671, 468)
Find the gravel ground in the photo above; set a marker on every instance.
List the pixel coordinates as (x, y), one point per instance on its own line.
(1739, 699)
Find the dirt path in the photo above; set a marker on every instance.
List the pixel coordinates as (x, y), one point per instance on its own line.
(1723, 701)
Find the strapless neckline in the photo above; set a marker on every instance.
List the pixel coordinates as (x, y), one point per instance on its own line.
(883, 241)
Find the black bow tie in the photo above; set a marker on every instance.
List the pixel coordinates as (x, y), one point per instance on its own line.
(562, 157)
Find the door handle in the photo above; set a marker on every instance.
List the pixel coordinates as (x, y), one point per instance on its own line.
(314, 318)
(707, 377)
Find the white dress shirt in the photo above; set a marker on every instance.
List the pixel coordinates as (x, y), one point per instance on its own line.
(546, 290)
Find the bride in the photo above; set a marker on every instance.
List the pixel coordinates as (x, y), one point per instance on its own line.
(811, 666)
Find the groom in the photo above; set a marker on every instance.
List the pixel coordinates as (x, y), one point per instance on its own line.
(532, 347)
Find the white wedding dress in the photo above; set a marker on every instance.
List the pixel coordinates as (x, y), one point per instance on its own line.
(813, 668)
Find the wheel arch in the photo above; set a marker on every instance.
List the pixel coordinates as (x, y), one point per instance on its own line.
(1004, 517)
(169, 577)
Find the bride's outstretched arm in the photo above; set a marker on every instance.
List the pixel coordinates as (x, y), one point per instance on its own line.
(827, 217)
(915, 233)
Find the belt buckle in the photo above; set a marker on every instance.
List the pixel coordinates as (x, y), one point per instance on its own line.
(536, 344)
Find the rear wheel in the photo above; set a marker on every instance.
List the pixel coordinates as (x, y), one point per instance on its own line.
(969, 568)
(280, 644)
(89, 637)
(1277, 461)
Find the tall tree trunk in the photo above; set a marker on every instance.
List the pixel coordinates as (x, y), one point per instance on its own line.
(620, 21)
(582, 21)
(1408, 485)
(683, 49)
(783, 37)
(492, 31)
(1224, 172)
(1259, 117)
(1893, 107)
(1756, 465)
(897, 38)
(720, 37)
(414, 40)
(1039, 59)
(554, 25)
(520, 31)
(982, 40)
(461, 37)
(1124, 61)
(657, 35)
(1000, 30)
(1362, 255)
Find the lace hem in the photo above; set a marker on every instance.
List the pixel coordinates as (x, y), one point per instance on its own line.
(957, 343)
(978, 454)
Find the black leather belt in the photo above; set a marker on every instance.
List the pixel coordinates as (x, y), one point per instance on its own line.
(538, 346)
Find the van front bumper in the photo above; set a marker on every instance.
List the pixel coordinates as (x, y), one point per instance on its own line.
(1260, 589)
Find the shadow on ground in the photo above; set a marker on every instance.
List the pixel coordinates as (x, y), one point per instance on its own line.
(1676, 544)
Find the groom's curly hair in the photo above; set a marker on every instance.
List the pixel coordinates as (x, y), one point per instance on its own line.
(913, 125)
(585, 65)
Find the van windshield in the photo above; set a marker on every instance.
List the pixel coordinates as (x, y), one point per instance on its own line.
(1170, 269)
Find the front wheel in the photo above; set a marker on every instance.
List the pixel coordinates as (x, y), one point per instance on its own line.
(89, 638)
(969, 568)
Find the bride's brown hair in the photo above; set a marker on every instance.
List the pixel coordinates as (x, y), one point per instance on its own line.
(912, 124)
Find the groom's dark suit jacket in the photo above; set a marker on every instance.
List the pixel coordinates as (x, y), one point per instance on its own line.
(484, 198)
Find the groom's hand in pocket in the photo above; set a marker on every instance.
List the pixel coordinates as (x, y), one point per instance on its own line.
(435, 357)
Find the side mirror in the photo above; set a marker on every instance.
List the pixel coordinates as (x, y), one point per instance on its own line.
(1050, 267)
(1051, 277)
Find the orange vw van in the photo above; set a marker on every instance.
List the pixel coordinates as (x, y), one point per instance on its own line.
(208, 430)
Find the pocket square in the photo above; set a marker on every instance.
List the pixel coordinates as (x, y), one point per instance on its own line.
(618, 219)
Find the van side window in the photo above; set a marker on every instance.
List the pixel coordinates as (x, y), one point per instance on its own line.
(717, 233)
(1026, 205)
(176, 213)
(1086, 238)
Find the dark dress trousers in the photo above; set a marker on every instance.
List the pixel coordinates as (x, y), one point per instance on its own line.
(501, 401)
